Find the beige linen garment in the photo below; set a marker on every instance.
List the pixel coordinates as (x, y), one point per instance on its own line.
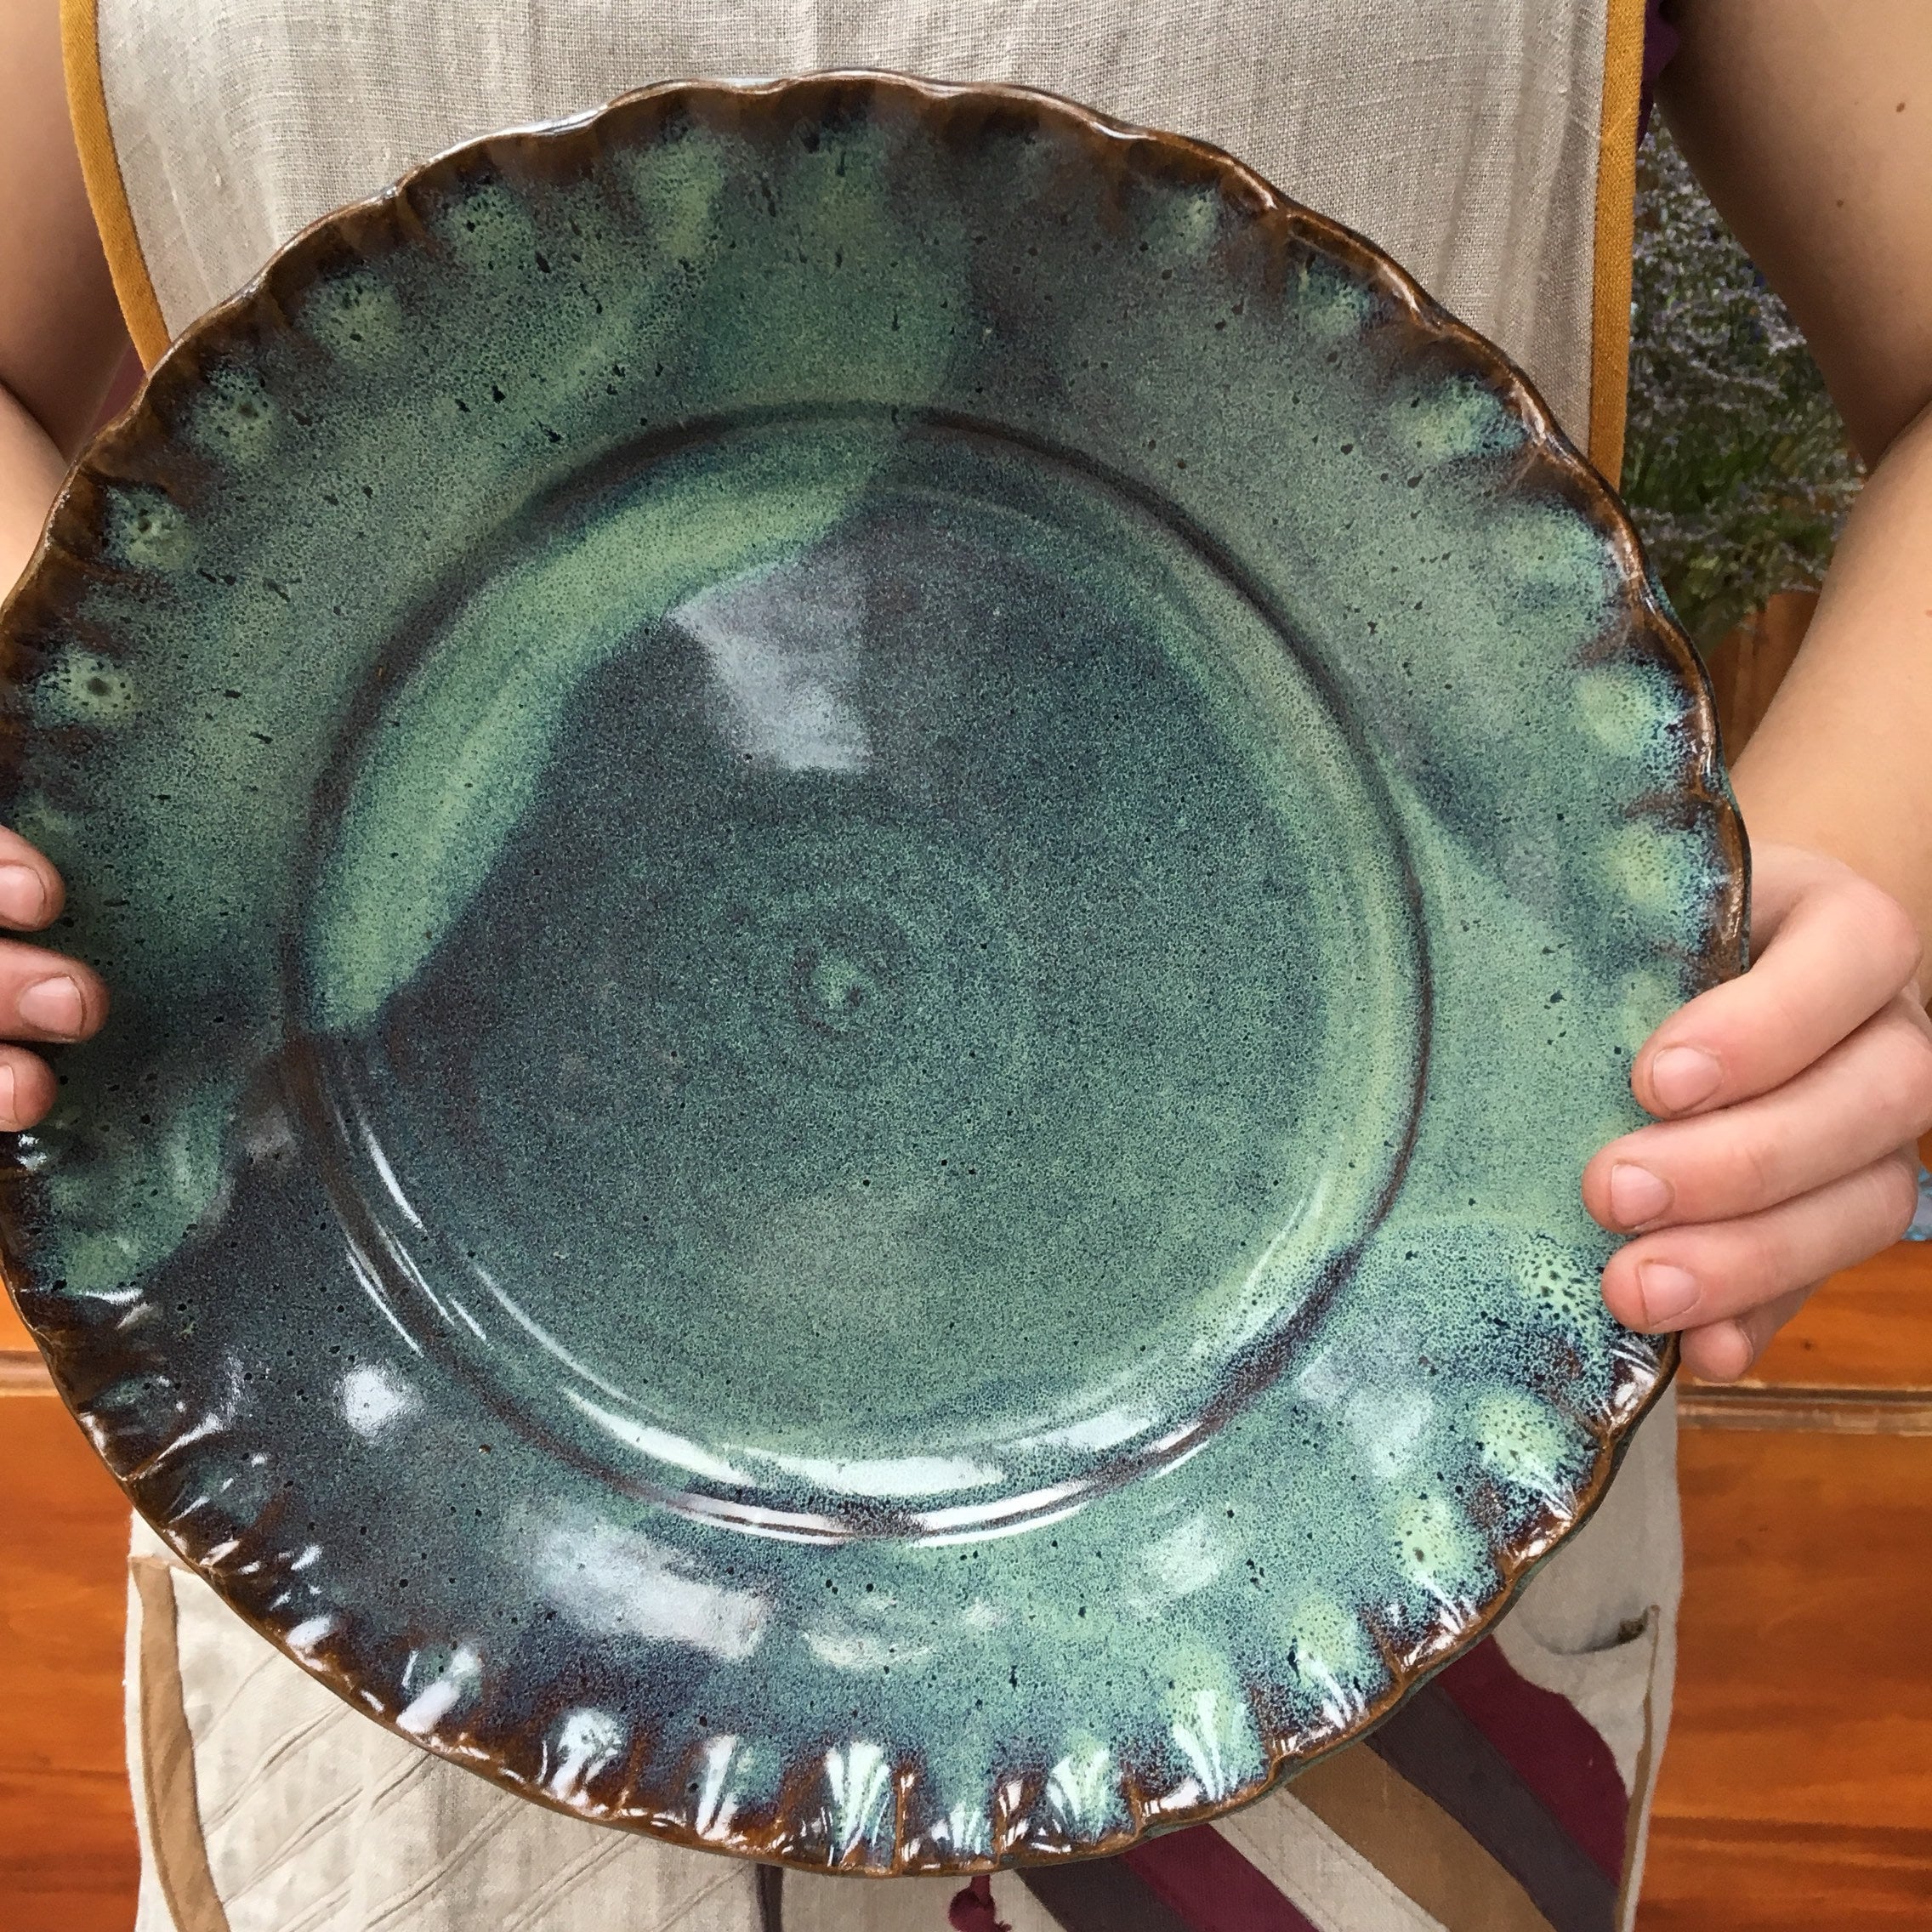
(1487, 146)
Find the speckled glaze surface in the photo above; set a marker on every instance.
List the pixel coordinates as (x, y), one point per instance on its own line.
(875, 860)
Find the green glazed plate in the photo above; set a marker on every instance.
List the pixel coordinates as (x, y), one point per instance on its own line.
(875, 859)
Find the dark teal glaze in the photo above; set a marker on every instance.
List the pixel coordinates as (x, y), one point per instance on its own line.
(874, 865)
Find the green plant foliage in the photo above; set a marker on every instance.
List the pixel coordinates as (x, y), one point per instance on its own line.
(1737, 465)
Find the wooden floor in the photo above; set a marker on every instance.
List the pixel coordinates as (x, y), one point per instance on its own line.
(1796, 1790)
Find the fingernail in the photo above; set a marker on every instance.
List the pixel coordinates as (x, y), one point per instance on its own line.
(1667, 1291)
(23, 896)
(54, 1006)
(1636, 1194)
(7, 1092)
(1681, 1077)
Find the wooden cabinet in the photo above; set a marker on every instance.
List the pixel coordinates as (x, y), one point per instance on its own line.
(1797, 1790)
(67, 1857)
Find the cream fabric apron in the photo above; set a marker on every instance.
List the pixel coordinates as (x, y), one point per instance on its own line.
(1486, 145)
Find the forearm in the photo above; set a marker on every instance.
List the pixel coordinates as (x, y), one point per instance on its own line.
(30, 470)
(1843, 762)
(1808, 123)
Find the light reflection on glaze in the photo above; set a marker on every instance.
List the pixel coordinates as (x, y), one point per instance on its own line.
(786, 659)
(374, 1400)
(1217, 1739)
(458, 1683)
(893, 1478)
(859, 1786)
(310, 1632)
(660, 1444)
(583, 1744)
(862, 1652)
(717, 1803)
(614, 1582)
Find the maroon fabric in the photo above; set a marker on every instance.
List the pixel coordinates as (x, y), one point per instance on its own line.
(1550, 1745)
(1661, 42)
(1427, 1741)
(1204, 1880)
(1518, 1767)
(121, 391)
(1099, 1895)
(972, 1909)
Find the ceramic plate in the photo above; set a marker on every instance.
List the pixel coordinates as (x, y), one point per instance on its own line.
(875, 859)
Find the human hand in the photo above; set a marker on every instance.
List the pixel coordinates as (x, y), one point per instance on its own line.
(1788, 1104)
(44, 996)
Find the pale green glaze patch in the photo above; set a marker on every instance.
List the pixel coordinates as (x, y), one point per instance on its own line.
(873, 868)
(454, 769)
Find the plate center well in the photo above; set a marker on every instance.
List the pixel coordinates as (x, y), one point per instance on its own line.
(859, 979)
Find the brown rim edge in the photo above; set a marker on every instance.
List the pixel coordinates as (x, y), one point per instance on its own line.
(1110, 143)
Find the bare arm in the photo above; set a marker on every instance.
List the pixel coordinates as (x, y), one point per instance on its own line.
(1810, 122)
(30, 470)
(61, 340)
(61, 336)
(1786, 1101)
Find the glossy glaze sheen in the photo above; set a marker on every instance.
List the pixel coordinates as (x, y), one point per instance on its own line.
(875, 859)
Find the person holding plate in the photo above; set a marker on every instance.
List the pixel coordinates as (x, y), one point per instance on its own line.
(156, 156)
